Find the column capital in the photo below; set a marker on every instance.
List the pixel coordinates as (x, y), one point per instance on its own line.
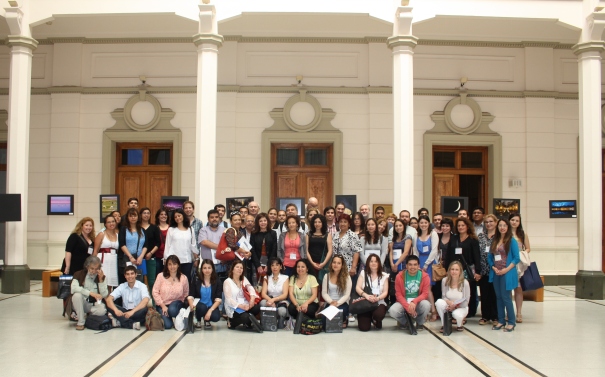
(22, 40)
(580, 48)
(402, 40)
(214, 39)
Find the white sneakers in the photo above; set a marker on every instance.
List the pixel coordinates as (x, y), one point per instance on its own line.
(136, 326)
(351, 318)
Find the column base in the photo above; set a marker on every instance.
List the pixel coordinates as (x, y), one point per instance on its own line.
(15, 279)
(589, 285)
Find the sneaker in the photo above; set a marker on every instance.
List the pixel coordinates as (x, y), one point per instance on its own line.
(351, 318)
(198, 325)
(207, 325)
(136, 326)
(115, 322)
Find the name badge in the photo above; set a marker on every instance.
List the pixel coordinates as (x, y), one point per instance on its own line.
(90, 249)
(397, 253)
(487, 249)
(425, 249)
(293, 256)
(458, 250)
(498, 257)
(112, 251)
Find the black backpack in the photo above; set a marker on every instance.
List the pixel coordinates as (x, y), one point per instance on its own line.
(98, 322)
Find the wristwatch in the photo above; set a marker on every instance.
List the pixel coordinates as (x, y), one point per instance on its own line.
(222, 251)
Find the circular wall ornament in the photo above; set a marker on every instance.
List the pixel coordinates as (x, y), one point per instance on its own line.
(465, 125)
(309, 113)
(128, 112)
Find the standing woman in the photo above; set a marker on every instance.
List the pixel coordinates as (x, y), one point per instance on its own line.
(264, 246)
(400, 247)
(181, 241)
(464, 247)
(161, 221)
(523, 241)
(319, 245)
(208, 288)
(106, 243)
(379, 282)
(309, 218)
(239, 310)
(489, 311)
(133, 244)
(303, 291)
(272, 214)
(275, 291)
(170, 290)
(359, 224)
(503, 259)
(336, 287)
(373, 243)
(291, 247)
(427, 245)
(444, 243)
(152, 234)
(384, 226)
(79, 246)
(414, 223)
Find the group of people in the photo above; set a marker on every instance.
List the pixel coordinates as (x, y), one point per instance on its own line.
(280, 261)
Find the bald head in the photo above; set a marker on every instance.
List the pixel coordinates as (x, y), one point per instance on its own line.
(313, 202)
(253, 208)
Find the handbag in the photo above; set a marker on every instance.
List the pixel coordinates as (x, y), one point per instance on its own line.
(411, 325)
(249, 298)
(180, 322)
(531, 278)
(222, 245)
(359, 304)
(190, 326)
(524, 263)
(268, 319)
(468, 270)
(447, 323)
(64, 288)
(439, 272)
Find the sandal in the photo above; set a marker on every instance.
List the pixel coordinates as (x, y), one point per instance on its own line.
(483, 321)
(459, 328)
(464, 322)
(433, 317)
(519, 318)
(441, 329)
(499, 326)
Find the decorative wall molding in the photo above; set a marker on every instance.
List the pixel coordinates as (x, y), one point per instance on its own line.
(339, 40)
(159, 122)
(445, 124)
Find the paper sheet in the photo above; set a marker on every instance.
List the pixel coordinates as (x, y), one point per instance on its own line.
(330, 312)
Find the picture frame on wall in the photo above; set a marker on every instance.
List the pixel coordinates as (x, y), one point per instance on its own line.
(503, 208)
(563, 209)
(108, 204)
(170, 203)
(234, 204)
(388, 208)
(350, 202)
(60, 205)
(450, 205)
(281, 203)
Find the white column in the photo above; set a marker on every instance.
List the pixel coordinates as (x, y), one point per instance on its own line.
(589, 280)
(208, 42)
(19, 90)
(402, 44)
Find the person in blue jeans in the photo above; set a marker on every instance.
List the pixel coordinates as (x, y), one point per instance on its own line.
(502, 260)
(209, 289)
(170, 290)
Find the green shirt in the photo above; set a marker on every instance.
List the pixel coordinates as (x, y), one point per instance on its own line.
(412, 285)
(303, 294)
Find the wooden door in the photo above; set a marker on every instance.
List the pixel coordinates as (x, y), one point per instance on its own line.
(460, 171)
(143, 171)
(302, 171)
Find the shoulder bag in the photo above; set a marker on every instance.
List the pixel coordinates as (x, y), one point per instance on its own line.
(222, 245)
(439, 272)
(359, 304)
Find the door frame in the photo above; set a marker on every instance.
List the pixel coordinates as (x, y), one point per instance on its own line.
(111, 138)
(317, 137)
(494, 168)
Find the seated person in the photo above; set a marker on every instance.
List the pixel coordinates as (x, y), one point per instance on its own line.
(456, 293)
(88, 289)
(208, 288)
(379, 282)
(170, 289)
(303, 290)
(275, 291)
(336, 287)
(238, 308)
(412, 291)
(135, 296)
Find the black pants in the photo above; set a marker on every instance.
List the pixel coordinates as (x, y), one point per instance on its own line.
(489, 309)
(243, 318)
(311, 310)
(364, 320)
(126, 323)
(436, 289)
(472, 305)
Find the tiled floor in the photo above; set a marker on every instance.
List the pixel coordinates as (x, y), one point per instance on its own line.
(562, 336)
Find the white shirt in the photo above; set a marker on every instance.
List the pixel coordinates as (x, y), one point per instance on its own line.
(180, 243)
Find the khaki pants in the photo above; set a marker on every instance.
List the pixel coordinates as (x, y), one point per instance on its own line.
(81, 306)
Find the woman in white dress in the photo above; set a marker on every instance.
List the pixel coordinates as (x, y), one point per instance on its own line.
(106, 244)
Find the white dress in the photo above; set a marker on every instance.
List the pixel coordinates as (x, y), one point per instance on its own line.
(109, 260)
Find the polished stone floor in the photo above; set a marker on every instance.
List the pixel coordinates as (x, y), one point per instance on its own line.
(561, 336)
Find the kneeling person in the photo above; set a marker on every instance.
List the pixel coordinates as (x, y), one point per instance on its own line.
(412, 290)
(88, 289)
(135, 297)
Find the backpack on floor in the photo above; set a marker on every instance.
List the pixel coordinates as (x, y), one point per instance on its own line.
(153, 320)
(98, 322)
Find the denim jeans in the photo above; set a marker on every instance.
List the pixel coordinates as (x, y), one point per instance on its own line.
(201, 310)
(503, 300)
(126, 323)
(173, 310)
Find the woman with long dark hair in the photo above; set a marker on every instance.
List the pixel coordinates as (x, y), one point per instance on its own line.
(275, 291)
(523, 241)
(239, 310)
(133, 245)
(359, 224)
(170, 290)
(264, 246)
(208, 288)
(291, 245)
(373, 243)
(427, 244)
(379, 282)
(161, 221)
(303, 291)
(181, 241)
(489, 311)
(444, 242)
(152, 235)
(319, 245)
(503, 259)
(336, 287)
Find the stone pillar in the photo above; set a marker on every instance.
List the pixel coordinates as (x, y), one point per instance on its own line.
(16, 271)
(402, 44)
(590, 278)
(208, 42)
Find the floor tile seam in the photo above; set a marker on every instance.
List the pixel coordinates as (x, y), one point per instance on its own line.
(154, 361)
(110, 362)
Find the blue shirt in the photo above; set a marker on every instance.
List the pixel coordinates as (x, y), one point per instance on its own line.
(131, 297)
(206, 296)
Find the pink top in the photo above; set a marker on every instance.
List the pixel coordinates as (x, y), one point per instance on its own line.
(291, 247)
(166, 291)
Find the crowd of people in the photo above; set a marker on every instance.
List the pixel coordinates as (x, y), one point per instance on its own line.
(414, 269)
